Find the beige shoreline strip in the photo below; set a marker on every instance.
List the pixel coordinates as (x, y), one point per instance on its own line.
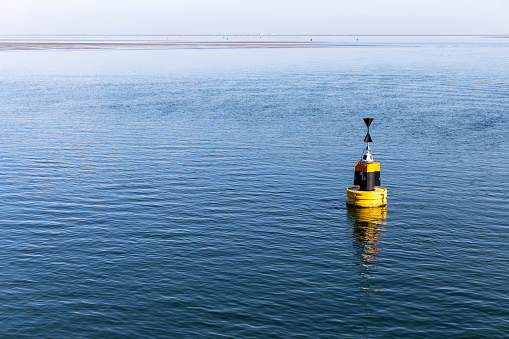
(161, 45)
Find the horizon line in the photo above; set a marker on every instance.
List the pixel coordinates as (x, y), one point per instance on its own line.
(237, 34)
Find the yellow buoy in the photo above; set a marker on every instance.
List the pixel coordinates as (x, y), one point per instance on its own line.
(375, 198)
(368, 193)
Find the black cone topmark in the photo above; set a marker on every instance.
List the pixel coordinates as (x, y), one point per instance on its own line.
(368, 121)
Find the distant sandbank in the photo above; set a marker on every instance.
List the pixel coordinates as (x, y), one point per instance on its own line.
(22, 45)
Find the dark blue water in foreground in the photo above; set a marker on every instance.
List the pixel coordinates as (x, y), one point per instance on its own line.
(200, 193)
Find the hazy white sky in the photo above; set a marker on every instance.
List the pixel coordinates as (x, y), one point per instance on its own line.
(261, 16)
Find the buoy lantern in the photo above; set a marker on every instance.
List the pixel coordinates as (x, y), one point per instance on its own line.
(368, 192)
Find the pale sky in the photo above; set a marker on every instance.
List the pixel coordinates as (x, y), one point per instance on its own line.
(261, 16)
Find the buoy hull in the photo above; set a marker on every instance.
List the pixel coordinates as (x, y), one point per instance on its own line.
(358, 198)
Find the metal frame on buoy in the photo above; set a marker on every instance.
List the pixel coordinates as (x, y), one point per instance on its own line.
(368, 192)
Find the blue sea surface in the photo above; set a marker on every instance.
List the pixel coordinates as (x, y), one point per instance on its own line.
(200, 192)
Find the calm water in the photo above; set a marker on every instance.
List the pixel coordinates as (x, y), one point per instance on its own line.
(200, 193)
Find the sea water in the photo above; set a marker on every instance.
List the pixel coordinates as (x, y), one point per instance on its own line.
(200, 192)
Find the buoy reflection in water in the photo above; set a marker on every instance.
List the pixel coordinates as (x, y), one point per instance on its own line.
(367, 225)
